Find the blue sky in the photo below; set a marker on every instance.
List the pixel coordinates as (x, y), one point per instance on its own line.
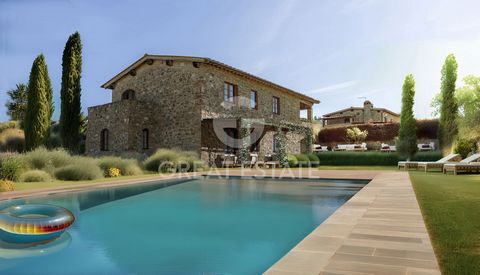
(335, 51)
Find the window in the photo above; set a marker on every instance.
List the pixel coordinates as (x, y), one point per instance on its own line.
(229, 92)
(253, 100)
(276, 105)
(128, 95)
(104, 140)
(145, 138)
(275, 145)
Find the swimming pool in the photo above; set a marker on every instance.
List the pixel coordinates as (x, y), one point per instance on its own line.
(202, 226)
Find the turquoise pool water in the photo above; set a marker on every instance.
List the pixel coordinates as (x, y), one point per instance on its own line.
(205, 226)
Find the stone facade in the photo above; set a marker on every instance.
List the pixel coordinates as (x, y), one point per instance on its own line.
(357, 115)
(175, 97)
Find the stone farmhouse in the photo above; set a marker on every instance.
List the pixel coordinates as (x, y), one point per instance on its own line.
(360, 115)
(180, 102)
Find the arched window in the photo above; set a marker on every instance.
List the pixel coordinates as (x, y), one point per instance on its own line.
(104, 140)
(145, 140)
(128, 95)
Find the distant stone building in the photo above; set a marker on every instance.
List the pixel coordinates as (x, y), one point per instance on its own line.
(177, 102)
(359, 115)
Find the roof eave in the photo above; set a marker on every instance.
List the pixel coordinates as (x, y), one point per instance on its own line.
(145, 57)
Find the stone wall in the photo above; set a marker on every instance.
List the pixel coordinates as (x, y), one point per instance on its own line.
(367, 114)
(182, 96)
(125, 121)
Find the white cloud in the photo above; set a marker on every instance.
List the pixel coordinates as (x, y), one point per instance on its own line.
(331, 88)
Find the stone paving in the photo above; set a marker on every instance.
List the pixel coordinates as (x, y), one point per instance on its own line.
(378, 231)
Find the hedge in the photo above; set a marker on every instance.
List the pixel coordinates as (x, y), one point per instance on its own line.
(371, 158)
(426, 129)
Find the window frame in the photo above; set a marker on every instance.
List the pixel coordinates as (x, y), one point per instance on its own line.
(229, 95)
(104, 139)
(145, 139)
(255, 100)
(275, 105)
(128, 95)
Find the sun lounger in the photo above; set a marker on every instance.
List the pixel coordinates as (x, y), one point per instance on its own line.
(426, 165)
(320, 148)
(426, 147)
(388, 148)
(468, 165)
(414, 164)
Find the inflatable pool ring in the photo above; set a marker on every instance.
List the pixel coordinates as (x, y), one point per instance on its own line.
(33, 223)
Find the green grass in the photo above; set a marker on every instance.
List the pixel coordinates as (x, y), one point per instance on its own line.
(451, 209)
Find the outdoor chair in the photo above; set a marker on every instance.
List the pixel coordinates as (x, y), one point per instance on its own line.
(387, 148)
(414, 164)
(426, 165)
(468, 165)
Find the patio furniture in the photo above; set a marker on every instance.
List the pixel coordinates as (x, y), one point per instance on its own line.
(229, 160)
(425, 147)
(388, 148)
(253, 160)
(270, 161)
(437, 164)
(414, 164)
(320, 148)
(469, 164)
(350, 147)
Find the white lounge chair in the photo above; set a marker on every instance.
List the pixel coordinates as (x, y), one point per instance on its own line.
(320, 148)
(388, 148)
(351, 147)
(469, 164)
(414, 164)
(425, 147)
(438, 164)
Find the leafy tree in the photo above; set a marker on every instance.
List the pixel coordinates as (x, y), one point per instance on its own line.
(17, 105)
(407, 136)
(356, 135)
(448, 129)
(70, 118)
(39, 105)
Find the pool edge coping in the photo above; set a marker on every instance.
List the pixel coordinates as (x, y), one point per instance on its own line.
(337, 247)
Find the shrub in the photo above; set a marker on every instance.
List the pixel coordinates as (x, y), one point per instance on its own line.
(127, 167)
(303, 160)
(112, 172)
(314, 160)
(82, 168)
(292, 161)
(12, 140)
(43, 159)
(356, 135)
(464, 146)
(6, 185)
(372, 158)
(11, 168)
(161, 156)
(167, 160)
(12, 124)
(35, 176)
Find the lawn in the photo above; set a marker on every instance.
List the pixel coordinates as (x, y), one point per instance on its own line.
(451, 209)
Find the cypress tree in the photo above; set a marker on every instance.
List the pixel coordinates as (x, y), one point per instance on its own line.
(39, 105)
(70, 93)
(407, 135)
(448, 129)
